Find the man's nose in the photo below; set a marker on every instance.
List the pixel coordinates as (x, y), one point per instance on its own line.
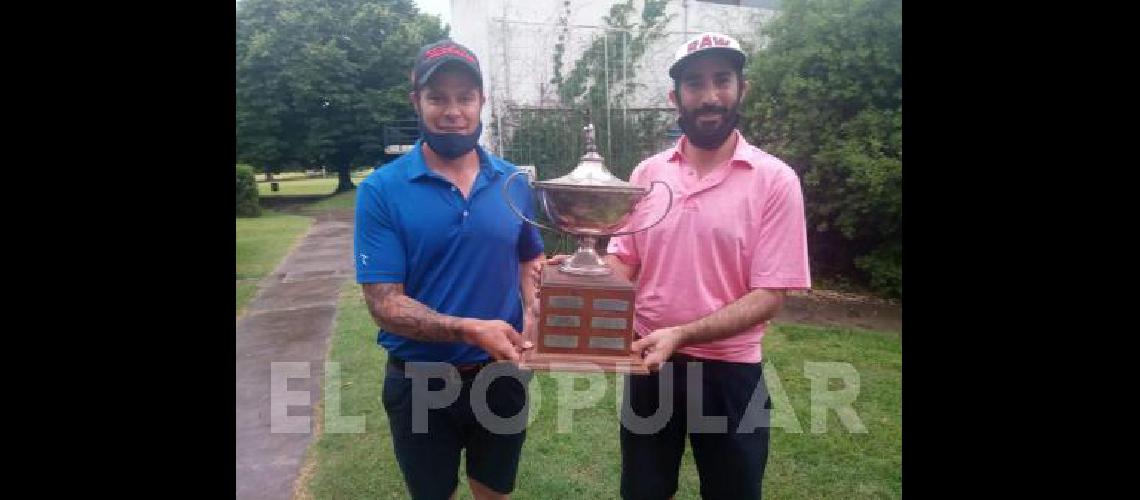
(451, 112)
(709, 97)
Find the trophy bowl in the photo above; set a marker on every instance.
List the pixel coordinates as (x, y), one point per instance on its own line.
(588, 211)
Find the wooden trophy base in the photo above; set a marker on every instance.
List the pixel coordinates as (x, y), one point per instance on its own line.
(585, 324)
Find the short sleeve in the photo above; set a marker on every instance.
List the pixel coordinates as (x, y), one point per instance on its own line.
(780, 256)
(377, 247)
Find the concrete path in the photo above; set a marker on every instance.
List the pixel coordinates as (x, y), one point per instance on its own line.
(290, 320)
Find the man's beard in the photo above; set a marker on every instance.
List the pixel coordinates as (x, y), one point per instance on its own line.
(706, 137)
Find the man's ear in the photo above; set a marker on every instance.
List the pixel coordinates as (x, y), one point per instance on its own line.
(673, 98)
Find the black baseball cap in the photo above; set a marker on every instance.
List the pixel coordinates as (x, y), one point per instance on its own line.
(435, 55)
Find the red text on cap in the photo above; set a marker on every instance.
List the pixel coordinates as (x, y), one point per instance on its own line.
(708, 41)
(448, 49)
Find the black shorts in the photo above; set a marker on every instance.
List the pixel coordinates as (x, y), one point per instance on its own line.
(429, 460)
(730, 462)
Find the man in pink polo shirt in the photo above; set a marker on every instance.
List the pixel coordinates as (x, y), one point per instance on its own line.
(709, 277)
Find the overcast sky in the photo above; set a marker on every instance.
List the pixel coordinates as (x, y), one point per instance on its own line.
(441, 8)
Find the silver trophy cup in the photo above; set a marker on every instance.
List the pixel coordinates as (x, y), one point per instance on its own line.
(588, 203)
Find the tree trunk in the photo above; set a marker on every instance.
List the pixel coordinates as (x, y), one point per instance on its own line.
(344, 179)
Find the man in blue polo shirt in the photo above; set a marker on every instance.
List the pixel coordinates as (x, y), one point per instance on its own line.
(445, 268)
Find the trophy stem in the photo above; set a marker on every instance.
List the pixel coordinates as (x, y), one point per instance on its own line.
(586, 261)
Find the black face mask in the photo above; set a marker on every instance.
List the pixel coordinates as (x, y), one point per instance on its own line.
(706, 138)
(450, 145)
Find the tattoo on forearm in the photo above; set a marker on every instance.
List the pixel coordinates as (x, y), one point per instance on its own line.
(396, 312)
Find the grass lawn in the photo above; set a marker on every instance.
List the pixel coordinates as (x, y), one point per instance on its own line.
(802, 465)
(300, 186)
(261, 244)
(295, 187)
(283, 176)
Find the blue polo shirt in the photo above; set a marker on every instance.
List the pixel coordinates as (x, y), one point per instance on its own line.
(458, 256)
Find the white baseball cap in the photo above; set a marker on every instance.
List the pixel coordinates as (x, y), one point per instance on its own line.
(705, 42)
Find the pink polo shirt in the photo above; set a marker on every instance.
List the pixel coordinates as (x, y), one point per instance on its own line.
(738, 228)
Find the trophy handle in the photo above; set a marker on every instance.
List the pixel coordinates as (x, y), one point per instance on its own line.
(507, 196)
(659, 219)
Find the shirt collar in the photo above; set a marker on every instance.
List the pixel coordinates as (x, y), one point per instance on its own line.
(418, 168)
(741, 155)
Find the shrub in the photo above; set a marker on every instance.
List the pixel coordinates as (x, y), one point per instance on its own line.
(247, 201)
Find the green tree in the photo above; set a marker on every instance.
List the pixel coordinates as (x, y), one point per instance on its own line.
(317, 80)
(827, 98)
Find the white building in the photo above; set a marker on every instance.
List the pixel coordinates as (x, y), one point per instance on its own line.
(515, 41)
